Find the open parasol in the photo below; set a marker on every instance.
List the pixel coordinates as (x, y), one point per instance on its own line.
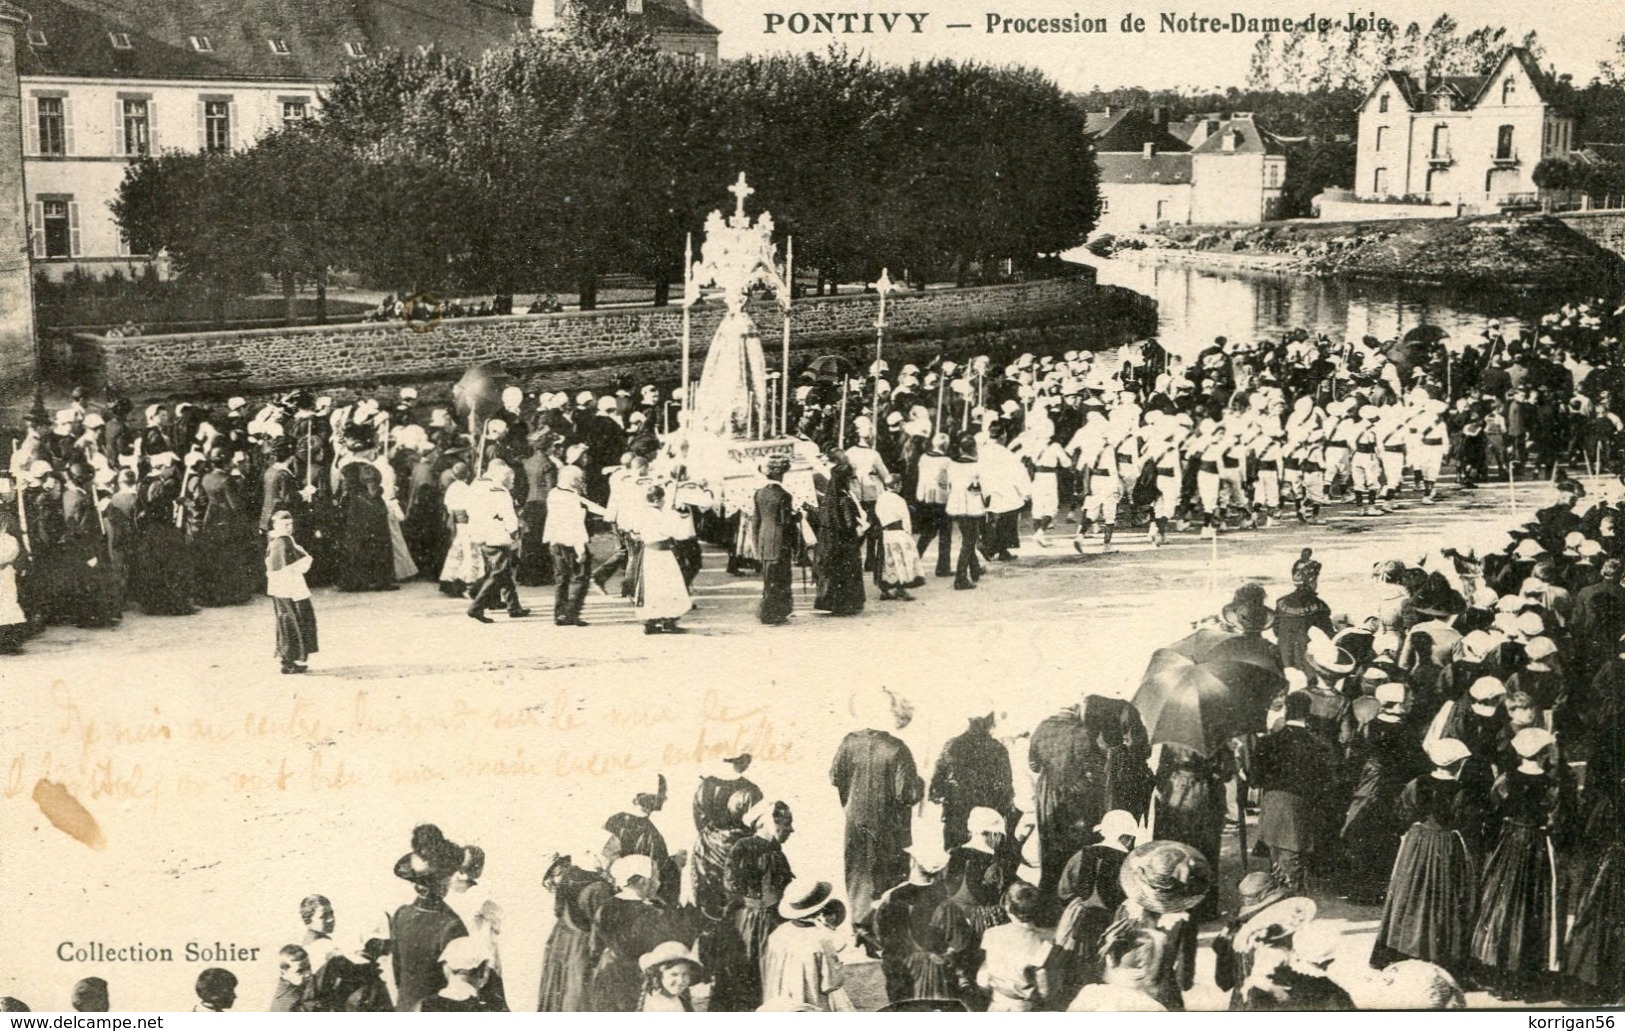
(1203, 705)
(1222, 645)
(1426, 333)
(829, 366)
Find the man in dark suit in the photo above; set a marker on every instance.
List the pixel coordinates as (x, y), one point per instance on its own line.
(1599, 620)
(776, 528)
(280, 490)
(1558, 521)
(1291, 767)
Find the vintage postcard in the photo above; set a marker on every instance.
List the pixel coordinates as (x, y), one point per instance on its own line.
(811, 505)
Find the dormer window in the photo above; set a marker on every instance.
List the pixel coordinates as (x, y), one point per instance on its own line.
(120, 40)
(36, 38)
(201, 44)
(279, 46)
(356, 49)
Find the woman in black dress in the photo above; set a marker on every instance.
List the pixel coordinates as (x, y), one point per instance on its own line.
(720, 804)
(580, 890)
(366, 557)
(627, 926)
(1191, 805)
(1520, 917)
(839, 561)
(165, 582)
(1433, 891)
(757, 874)
(1092, 890)
(1386, 755)
(635, 834)
(1594, 957)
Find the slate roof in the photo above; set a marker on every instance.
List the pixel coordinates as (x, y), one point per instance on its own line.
(1130, 132)
(1168, 169)
(240, 32)
(1469, 89)
(1250, 139)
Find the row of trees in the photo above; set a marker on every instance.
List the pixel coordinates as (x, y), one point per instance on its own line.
(1352, 59)
(556, 159)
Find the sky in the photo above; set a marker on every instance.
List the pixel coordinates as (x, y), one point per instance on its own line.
(1576, 35)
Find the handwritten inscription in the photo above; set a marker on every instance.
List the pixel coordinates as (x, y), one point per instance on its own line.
(188, 750)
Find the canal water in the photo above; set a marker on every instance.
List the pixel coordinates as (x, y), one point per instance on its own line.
(1195, 304)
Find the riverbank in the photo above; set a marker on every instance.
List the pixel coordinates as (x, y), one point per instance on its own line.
(1529, 252)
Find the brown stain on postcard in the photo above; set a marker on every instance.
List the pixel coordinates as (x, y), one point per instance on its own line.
(67, 815)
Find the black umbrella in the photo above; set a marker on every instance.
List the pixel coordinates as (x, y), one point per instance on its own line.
(1224, 646)
(829, 366)
(1202, 705)
(1426, 333)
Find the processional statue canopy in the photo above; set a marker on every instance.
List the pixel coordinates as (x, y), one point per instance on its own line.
(737, 258)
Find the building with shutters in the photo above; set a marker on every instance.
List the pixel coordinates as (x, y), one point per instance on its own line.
(104, 82)
(1468, 141)
(1213, 168)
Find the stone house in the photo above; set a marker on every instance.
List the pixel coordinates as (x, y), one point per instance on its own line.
(1214, 168)
(1472, 141)
(104, 82)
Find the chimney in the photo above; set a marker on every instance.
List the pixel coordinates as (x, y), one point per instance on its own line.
(1229, 143)
(1150, 150)
(544, 15)
(634, 6)
(1159, 116)
(697, 7)
(1108, 110)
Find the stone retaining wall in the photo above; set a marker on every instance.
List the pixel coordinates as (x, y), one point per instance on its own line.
(1605, 228)
(594, 348)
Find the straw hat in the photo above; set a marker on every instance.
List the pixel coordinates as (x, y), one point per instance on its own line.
(1166, 877)
(671, 952)
(1326, 658)
(804, 899)
(1274, 922)
(1257, 891)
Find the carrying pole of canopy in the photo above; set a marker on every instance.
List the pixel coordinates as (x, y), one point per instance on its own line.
(883, 286)
(789, 295)
(688, 302)
(1242, 791)
(840, 434)
(22, 509)
(936, 420)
